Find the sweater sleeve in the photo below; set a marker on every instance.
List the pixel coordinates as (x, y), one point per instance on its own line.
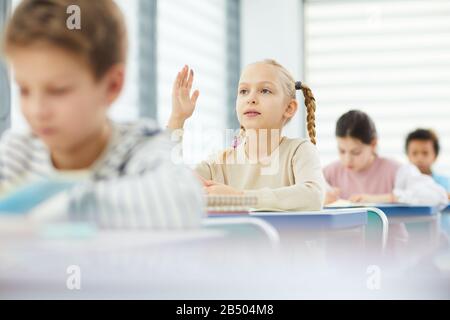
(415, 188)
(16, 161)
(203, 169)
(308, 192)
(153, 193)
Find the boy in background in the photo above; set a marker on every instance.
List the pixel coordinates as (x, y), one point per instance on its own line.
(422, 148)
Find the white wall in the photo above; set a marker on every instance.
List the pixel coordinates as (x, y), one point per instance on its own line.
(273, 29)
(387, 58)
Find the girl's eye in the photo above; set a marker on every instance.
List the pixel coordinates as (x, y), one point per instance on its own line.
(266, 91)
(243, 91)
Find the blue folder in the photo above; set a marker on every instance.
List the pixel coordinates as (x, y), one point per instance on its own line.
(26, 198)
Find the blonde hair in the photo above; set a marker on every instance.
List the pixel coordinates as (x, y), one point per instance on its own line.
(290, 86)
(101, 41)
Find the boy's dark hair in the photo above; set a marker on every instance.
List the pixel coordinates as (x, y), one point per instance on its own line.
(423, 135)
(358, 125)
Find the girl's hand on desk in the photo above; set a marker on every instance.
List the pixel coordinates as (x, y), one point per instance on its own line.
(183, 103)
(332, 195)
(360, 198)
(205, 183)
(221, 189)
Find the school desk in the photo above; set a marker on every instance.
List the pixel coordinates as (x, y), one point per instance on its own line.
(120, 263)
(361, 228)
(395, 209)
(192, 264)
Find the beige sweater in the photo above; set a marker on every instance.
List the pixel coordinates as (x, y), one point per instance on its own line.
(290, 179)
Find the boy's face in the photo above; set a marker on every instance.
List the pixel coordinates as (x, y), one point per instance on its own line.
(421, 154)
(261, 102)
(355, 155)
(61, 100)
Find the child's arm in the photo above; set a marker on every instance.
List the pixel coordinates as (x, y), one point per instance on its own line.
(203, 170)
(183, 103)
(183, 106)
(332, 195)
(374, 198)
(308, 192)
(415, 188)
(152, 193)
(410, 187)
(14, 154)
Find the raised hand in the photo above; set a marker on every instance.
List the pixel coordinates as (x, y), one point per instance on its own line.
(183, 103)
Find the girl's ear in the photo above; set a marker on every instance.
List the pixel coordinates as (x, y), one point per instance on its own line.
(374, 145)
(291, 109)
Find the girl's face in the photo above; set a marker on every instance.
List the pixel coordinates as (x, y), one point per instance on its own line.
(354, 154)
(61, 100)
(261, 102)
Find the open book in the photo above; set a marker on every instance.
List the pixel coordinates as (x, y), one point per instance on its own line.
(341, 203)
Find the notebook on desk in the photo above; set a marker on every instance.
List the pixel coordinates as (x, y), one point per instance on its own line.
(228, 204)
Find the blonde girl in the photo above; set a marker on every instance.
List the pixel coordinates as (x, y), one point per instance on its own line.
(283, 173)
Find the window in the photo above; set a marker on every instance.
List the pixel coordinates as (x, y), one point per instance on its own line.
(5, 119)
(194, 33)
(163, 36)
(390, 59)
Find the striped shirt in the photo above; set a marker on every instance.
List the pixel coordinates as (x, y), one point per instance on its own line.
(133, 184)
